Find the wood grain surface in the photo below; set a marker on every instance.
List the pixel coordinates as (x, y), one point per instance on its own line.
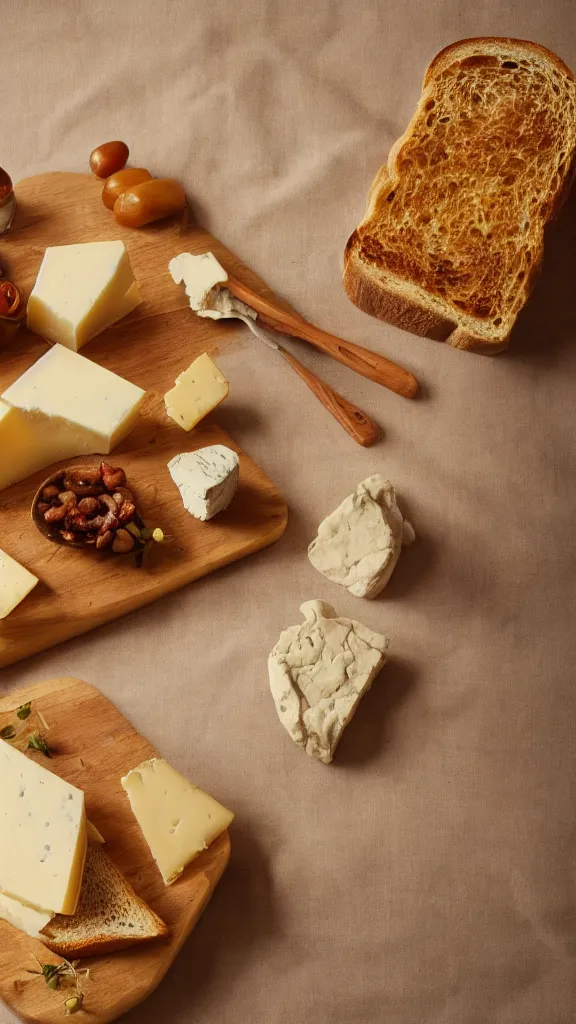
(94, 745)
(78, 590)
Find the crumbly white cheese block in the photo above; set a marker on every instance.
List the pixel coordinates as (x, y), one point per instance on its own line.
(63, 406)
(207, 479)
(178, 819)
(43, 834)
(80, 290)
(359, 544)
(26, 919)
(15, 584)
(197, 391)
(199, 274)
(319, 671)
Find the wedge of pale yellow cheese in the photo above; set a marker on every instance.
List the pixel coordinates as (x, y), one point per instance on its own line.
(80, 290)
(42, 835)
(63, 406)
(178, 819)
(16, 582)
(197, 391)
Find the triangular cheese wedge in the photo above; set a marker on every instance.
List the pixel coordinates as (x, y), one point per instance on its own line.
(80, 290)
(177, 818)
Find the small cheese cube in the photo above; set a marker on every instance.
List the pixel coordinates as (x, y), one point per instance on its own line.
(63, 406)
(80, 290)
(207, 479)
(196, 393)
(177, 818)
(15, 584)
(43, 830)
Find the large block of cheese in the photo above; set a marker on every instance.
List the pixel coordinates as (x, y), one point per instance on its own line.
(26, 919)
(42, 834)
(178, 819)
(80, 290)
(63, 406)
(197, 391)
(15, 583)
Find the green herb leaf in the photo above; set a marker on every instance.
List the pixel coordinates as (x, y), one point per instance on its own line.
(37, 742)
(24, 711)
(7, 733)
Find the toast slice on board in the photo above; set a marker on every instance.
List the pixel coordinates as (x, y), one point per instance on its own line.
(454, 229)
(109, 917)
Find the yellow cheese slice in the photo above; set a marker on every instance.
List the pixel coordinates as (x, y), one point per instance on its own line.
(177, 818)
(80, 290)
(43, 834)
(15, 584)
(196, 392)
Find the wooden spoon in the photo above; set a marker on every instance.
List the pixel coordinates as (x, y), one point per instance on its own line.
(361, 360)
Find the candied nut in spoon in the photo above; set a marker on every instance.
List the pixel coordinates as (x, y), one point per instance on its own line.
(123, 542)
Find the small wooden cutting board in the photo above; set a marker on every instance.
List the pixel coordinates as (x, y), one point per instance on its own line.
(150, 347)
(94, 746)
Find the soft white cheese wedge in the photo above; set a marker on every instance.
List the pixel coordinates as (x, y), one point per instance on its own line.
(63, 406)
(207, 479)
(80, 290)
(42, 834)
(27, 919)
(15, 584)
(178, 819)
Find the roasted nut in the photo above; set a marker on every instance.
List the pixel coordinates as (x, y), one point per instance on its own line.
(109, 522)
(88, 506)
(150, 201)
(112, 478)
(69, 536)
(127, 512)
(56, 513)
(104, 540)
(120, 182)
(123, 542)
(67, 498)
(42, 507)
(50, 491)
(122, 494)
(83, 490)
(109, 502)
(108, 158)
(80, 522)
(85, 475)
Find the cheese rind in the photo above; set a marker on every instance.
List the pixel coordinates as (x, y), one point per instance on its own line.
(207, 479)
(63, 406)
(178, 819)
(16, 582)
(199, 274)
(42, 835)
(319, 671)
(359, 544)
(197, 391)
(80, 290)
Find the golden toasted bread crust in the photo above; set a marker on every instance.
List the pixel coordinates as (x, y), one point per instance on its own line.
(453, 233)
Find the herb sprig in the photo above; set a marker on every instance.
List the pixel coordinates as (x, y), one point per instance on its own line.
(64, 975)
(24, 733)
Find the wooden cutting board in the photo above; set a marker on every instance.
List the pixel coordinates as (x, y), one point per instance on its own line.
(78, 591)
(94, 745)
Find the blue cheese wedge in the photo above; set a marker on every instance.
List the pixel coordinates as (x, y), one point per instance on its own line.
(359, 544)
(207, 479)
(319, 671)
(178, 819)
(43, 835)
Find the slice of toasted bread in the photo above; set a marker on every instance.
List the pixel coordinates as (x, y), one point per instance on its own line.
(110, 916)
(453, 232)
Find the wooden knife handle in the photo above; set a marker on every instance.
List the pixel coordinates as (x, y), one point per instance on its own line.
(358, 425)
(361, 360)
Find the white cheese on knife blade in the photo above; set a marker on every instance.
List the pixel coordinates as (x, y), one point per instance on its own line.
(199, 274)
(359, 544)
(207, 479)
(319, 671)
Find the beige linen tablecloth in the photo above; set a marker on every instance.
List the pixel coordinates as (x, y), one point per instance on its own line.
(427, 877)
